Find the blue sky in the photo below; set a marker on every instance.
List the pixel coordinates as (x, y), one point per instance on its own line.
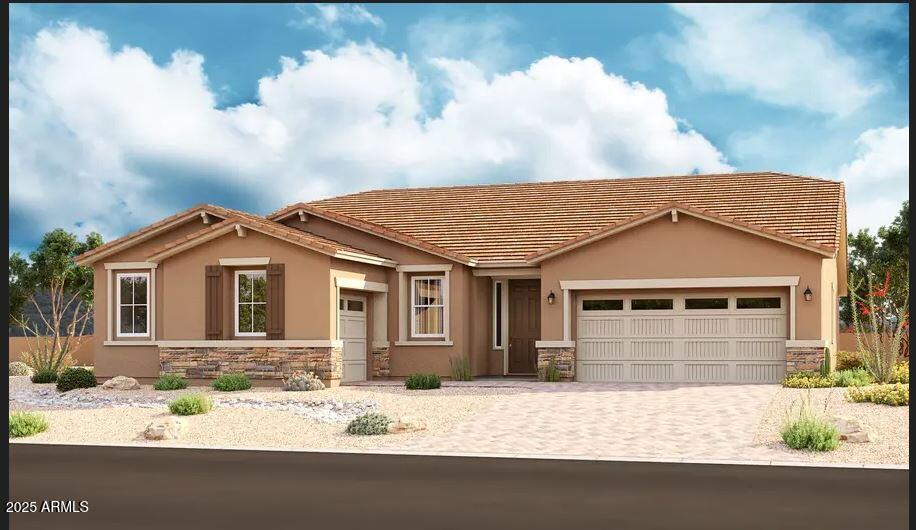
(128, 113)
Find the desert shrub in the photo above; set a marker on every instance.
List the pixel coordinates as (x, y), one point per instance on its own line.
(75, 378)
(190, 404)
(422, 382)
(44, 376)
(847, 360)
(170, 382)
(851, 377)
(26, 424)
(461, 368)
(303, 381)
(20, 368)
(368, 424)
(549, 373)
(231, 382)
(809, 430)
(806, 380)
(901, 373)
(894, 395)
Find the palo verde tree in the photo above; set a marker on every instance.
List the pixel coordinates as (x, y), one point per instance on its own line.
(57, 327)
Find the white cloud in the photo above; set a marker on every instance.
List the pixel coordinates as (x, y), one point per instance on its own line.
(877, 181)
(113, 139)
(481, 41)
(772, 53)
(330, 18)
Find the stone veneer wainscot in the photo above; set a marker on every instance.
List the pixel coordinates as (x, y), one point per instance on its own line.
(266, 363)
(564, 357)
(804, 359)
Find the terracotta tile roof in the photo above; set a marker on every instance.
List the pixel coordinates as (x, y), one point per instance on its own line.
(254, 222)
(507, 222)
(148, 230)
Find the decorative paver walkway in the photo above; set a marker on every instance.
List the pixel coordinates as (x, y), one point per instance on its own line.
(616, 420)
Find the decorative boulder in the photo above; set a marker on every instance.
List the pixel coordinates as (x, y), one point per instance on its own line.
(121, 383)
(850, 430)
(164, 429)
(406, 424)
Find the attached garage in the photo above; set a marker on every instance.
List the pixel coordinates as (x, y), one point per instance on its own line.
(714, 336)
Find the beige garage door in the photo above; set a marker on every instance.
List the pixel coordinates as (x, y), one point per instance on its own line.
(715, 337)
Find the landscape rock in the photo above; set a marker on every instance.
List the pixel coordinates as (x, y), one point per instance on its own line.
(850, 429)
(406, 424)
(164, 429)
(121, 382)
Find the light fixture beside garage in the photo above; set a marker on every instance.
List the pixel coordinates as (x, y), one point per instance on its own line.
(808, 294)
(551, 298)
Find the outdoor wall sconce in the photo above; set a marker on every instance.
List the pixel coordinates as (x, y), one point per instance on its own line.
(551, 298)
(808, 294)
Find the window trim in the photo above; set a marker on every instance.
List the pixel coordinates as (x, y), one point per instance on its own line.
(148, 304)
(235, 300)
(412, 307)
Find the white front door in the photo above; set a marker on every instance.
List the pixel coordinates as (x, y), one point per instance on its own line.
(353, 334)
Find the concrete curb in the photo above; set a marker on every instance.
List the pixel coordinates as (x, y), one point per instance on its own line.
(528, 456)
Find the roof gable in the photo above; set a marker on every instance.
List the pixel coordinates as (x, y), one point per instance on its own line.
(673, 209)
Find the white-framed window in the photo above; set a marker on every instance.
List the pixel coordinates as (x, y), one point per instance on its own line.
(427, 307)
(498, 314)
(251, 303)
(133, 304)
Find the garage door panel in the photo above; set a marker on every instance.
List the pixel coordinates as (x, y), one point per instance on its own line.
(691, 345)
(695, 349)
(651, 327)
(598, 350)
(706, 327)
(601, 327)
(706, 373)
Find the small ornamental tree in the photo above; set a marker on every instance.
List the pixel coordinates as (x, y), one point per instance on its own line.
(59, 325)
(881, 322)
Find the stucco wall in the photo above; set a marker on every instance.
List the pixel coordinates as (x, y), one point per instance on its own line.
(690, 248)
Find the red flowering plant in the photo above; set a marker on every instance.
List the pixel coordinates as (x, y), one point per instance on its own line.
(881, 325)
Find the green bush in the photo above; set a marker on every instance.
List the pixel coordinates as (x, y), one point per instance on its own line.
(232, 382)
(461, 368)
(369, 423)
(20, 368)
(806, 380)
(895, 395)
(549, 373)
(75, 378)
(901, 372)
(851, 377)
(422, 382)
(26, 424)
(190, 404)
(44, 376)
(812, 433)
(847, 360)
(170, 382)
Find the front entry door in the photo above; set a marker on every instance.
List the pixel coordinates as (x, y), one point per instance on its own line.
(524, 325)
(353, 335)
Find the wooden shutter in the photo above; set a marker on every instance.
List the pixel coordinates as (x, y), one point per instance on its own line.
(213, 302)
(276, 302)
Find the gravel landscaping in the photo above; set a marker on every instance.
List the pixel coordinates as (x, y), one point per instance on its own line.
(888, 428)
(719, 422)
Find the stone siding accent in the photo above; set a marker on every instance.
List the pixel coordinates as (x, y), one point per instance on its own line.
(565, 359)
(381, 366)
(257, 363)
(804, 359)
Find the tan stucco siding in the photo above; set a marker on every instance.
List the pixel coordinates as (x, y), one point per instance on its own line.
(690, 248)
(306, 282)
(140, 251)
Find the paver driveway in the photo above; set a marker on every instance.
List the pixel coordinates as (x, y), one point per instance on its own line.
(616, 420)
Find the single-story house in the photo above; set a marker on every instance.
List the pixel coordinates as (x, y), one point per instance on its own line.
(699, 278)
